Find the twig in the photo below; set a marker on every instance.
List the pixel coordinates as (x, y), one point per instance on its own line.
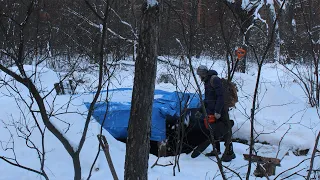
(295, 173)
(291, 168)
(20, 166)
(105, 146)
(282, 140)
(163, 165)
(264, 171)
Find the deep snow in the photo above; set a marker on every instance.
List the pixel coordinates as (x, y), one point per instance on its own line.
(283, 116)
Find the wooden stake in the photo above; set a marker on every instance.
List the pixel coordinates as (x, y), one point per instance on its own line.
(105, 146)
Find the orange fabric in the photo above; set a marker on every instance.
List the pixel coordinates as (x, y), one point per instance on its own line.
(211, 119)
(240, 53)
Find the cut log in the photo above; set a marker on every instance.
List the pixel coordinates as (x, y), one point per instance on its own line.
(265, 166)
(256, 158)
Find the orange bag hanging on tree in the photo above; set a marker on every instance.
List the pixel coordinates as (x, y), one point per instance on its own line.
(240, 52)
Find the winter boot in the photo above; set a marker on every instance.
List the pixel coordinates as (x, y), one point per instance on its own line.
(217, 144)
(228, 155)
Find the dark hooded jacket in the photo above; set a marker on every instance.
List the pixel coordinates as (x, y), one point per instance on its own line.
(214, 100)
(214, 103)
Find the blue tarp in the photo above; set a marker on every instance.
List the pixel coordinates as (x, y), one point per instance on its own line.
(165, 103)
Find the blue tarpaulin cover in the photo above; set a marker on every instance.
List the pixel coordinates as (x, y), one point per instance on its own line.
(165, 103)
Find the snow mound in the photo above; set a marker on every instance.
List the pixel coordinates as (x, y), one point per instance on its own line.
(281, 118)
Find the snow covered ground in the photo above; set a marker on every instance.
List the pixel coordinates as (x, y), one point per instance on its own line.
(283, 119)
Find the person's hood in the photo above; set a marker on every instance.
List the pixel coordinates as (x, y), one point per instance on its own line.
(212, 72)
(209, 74)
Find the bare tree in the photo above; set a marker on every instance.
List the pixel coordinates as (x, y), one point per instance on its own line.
(17, 54)
(136, 167)
(269, 38)
(24, 129)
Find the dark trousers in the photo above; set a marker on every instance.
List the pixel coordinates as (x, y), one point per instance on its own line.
(221, 130)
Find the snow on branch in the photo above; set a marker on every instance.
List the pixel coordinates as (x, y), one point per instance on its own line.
(152, 3)
(125, 23)
(119, 36)
(84, 18)
(249, 5)
(99, 26)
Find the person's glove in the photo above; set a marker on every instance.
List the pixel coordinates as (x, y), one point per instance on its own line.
(211, 120)
(217, 115)
(198, 115)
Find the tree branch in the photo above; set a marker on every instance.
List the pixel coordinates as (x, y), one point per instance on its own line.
(313, 155)
(21, 166)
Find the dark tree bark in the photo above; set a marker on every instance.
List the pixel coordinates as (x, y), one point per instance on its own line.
(137, 153)
(287, 30)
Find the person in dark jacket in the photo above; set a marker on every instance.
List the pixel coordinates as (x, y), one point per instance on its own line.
(218, 116)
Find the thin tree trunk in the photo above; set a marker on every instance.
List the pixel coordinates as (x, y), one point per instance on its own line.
(253, 109)
(276, 51)
(313, 156)
(252, 118)
(138, 142)
(76, 166)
